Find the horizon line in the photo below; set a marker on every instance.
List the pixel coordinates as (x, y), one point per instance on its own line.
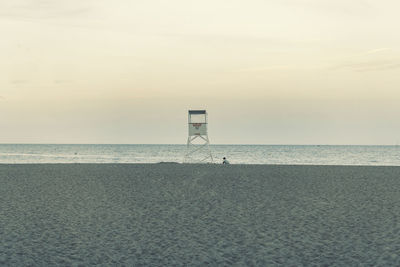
(210, 144)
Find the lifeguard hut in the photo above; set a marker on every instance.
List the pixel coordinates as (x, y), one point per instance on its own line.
(198, 149)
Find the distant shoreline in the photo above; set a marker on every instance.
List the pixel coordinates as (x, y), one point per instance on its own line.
(205, 164)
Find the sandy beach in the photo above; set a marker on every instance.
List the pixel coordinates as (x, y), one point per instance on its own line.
(176, 214)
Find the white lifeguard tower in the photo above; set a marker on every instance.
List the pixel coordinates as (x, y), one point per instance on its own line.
(198, 149)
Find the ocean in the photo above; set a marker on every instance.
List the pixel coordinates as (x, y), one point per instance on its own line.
(236, 154)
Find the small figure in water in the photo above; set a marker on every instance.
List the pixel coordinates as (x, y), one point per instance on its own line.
(225, 161)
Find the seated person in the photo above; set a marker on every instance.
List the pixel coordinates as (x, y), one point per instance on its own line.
(225, 161)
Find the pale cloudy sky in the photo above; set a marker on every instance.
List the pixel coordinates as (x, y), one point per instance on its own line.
(267, 71)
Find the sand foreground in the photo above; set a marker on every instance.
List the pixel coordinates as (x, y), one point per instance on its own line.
(176, 214)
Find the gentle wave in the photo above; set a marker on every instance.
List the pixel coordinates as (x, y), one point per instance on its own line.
(237, 154)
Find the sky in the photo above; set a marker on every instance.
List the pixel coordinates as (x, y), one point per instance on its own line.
(267, 71)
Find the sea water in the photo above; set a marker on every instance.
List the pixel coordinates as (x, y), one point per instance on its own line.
(236, 154)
